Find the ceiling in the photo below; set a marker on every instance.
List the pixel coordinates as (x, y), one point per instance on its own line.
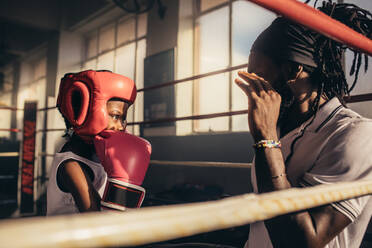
(26, 24)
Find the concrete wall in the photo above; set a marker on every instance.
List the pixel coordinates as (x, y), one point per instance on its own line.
(162, 32)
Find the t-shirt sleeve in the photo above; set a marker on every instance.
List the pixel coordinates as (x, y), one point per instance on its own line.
(347, 156)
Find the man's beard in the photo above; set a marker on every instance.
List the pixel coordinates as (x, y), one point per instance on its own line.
(287, 98)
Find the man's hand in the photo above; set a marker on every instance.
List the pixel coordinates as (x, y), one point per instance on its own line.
(263, 106)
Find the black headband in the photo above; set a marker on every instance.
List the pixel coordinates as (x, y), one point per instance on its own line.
(285, 40)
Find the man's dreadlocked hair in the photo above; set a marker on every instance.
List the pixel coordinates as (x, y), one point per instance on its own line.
(329, 73)
(329, 53)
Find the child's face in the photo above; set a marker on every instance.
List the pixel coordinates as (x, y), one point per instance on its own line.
(117, 113)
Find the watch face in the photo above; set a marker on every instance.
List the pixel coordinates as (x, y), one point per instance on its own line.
(123, 195)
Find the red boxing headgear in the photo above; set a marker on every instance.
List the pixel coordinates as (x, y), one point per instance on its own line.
(83, 97)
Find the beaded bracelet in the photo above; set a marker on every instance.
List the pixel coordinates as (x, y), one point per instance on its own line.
(267, 144)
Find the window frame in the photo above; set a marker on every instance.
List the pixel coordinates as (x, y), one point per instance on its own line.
(197, 14)
(137, 39)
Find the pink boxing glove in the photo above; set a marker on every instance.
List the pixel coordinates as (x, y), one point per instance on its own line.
(125, 158)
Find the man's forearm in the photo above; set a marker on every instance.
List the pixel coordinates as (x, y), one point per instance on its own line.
(286, 230)
(270, 170)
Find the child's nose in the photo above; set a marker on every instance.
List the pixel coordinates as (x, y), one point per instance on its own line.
(116, 127)
(119, 127)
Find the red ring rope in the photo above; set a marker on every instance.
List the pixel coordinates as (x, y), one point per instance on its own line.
(318, 21)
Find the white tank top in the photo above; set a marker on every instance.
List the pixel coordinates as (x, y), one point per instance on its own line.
(59, 202)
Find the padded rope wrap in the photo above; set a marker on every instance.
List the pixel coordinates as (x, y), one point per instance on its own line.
(154, 224)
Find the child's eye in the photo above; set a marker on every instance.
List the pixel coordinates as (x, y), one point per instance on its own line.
(115, 117)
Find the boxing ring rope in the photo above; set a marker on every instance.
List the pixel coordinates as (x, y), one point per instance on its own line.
(14, 130)
(318, 21)
(185, 163)
(155, 224)
(47, 108)
(191, 117)
(50, 130)
(233, 68)
(171, 119)
(10, 108)
(348, 99)
(9, 154)
(202, 163)
(358, 98)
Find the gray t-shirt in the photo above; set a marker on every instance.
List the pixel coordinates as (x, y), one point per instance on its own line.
(335, 147)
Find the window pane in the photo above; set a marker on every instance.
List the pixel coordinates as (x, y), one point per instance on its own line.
(138, 112)
(213, 41)
(138, 108)
(207, 4)
(212, 97)
(5, 100)
(361, 3)
(32, 92)
(91, 44)
(239, 102)
(185, 48)
(89, 65)
(248, 21)
(40, 69)
(106, 61)
(219, 124)
(130, 118)
(141, 54)
(40, 92)
(142, 25)
(363, 108)
(363, 85)
(185, 65)
(22, 96)
(40, 88)
(8, 80)
(5, 117)
(106, 38)
(126, 30)
(184, 106)
(124, 64)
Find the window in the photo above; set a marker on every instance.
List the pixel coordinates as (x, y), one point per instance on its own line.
(6, 99)
(222, 34)
(120, 47)
(32, 88)
(363, 85)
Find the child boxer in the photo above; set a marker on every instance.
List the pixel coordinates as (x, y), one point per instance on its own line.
(101, 165)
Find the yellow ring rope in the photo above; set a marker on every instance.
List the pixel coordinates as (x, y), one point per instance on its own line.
(154, 224)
